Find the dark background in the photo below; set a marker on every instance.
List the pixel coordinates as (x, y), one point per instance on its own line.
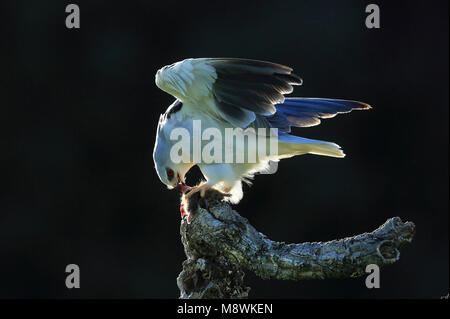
(79, 110)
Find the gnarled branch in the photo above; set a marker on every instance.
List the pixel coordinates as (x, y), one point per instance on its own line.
(219, 243)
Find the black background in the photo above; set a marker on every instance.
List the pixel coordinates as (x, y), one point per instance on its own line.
(79, 111)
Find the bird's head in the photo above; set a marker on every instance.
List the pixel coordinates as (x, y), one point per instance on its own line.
(170, 173)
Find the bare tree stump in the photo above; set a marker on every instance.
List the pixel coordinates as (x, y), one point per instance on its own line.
(219, 244)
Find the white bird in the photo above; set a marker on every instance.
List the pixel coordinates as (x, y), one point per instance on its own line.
(223, 93)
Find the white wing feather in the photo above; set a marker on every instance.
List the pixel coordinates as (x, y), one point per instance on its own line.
(189, 80)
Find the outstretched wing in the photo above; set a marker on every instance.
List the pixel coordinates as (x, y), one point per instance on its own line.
(306, 112)
(236, 90)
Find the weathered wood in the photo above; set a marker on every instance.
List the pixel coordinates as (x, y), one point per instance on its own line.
(220, 244)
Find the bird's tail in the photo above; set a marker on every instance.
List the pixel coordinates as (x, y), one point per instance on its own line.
(290, 145)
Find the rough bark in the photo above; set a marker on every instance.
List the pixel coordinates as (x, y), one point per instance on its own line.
(220, 244)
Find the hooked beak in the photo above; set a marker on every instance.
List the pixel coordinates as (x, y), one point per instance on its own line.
(183, 187)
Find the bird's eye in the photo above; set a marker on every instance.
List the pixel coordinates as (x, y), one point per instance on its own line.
(169, 173)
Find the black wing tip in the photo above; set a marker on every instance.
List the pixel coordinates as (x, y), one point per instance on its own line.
(363, 106)
(254, 62)
(291, 78)
(280, 70)
(351, 104)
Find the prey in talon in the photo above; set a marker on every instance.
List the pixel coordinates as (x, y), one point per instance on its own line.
(192, 197)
